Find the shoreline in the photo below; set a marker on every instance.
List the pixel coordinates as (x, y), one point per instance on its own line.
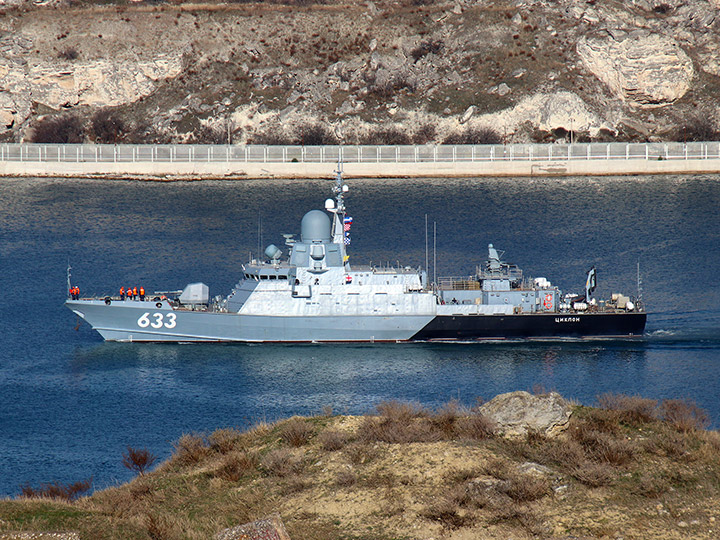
(178, 172)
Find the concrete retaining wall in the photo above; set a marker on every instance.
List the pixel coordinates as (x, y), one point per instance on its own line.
(170, 171)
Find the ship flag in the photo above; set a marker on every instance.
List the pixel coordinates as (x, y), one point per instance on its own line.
(591, 282)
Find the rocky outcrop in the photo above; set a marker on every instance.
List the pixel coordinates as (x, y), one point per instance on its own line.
(270, 528)
(639, 67)
(516, 413)
(102, 83)
(546, 112)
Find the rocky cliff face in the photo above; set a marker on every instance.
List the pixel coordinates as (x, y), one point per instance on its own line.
(395, 72)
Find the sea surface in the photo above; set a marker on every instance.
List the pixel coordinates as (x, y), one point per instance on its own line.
(70, 404)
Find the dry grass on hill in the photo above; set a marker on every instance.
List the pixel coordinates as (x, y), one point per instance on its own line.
(633, 469)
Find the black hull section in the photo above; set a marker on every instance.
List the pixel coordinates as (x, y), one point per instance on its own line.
(466, 327)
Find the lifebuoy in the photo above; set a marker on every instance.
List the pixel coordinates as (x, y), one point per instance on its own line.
(548, 301)
(158, 305)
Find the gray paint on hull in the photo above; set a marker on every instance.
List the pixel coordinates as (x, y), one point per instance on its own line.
(119, 322)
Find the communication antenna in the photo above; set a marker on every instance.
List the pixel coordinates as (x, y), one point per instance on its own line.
(435, 253)
(260, 257)
(427, 256)
(639, 282)
(68, 275)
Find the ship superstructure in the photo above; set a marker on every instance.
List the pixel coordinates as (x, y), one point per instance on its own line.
(314, 295)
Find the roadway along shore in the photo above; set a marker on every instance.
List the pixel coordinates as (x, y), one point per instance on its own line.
(169, 171)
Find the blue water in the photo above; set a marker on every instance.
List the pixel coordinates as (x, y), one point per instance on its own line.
(71, 403)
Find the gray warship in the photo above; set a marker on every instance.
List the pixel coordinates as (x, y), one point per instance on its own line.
(315, 295)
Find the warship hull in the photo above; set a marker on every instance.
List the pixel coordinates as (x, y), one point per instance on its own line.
(136, 321)
(533, 325)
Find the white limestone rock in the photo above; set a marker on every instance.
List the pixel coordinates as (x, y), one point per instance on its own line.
(102, 83)
(641, 68)
(516, 413)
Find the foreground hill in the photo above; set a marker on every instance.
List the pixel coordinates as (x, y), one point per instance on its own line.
(631, 470)
(414, 71)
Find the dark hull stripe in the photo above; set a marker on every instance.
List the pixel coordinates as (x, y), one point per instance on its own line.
(533, 325)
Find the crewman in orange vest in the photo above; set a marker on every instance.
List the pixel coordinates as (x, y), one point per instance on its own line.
(122, 293)
(76, 293)
(134, 293)
(129, 293)
(142, 293)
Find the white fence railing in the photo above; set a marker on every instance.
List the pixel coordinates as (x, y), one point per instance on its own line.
(102, 153)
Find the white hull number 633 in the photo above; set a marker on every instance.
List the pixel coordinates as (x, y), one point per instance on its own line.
(158, 322)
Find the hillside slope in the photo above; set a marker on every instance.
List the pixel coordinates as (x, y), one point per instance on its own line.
(385, 72)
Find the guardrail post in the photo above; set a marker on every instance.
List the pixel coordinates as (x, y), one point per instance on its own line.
(627, 151)
(647, 152)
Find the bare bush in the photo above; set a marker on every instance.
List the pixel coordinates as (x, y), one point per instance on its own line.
(56, 490)
(398, 431)
(604, 447)
(190, 449)
(593, 474)
(138, 459)
(632, 409)
(674, 445)
(332, 440)
(281, 462)
(475, 427)
(107, 126)
(68, 53)
(424, 134)
(160, 527)
(296, 432)
(524, 488)
(426, 47)
(447, 512)
(225, 440)
(652, 486)
(237, 465)
(684, 415)
(474, 136)
(400, 411)
(698, 128)
(209, 135)
(446, 418)
(271, 136)
(345, 478)
(360, 453)
(315, 135)
(386, 135)
(63, 129)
